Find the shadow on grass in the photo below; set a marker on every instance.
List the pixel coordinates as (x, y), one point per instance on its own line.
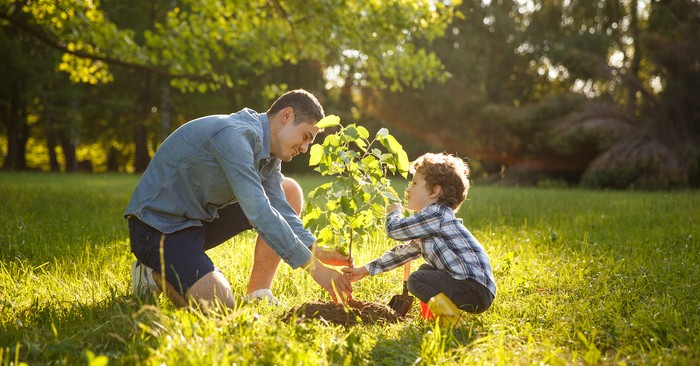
(62, 333)
(422, 342)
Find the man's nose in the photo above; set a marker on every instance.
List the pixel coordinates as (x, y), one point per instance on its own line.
(304, 148)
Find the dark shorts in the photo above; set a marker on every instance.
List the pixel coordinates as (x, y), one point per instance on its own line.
(184, 250)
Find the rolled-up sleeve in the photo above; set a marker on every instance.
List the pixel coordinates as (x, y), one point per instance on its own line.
(278, 200)
(395, 257)
(234, 149)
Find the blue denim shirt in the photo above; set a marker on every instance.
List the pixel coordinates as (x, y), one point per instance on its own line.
(215, 161)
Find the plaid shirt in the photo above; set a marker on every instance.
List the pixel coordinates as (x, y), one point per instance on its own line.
(441, 239)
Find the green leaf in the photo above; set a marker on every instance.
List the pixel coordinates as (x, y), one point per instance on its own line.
(361, 144)
(315, 155)
(325, 235)
(347, 206)
(342, 249)
(335, 220)
(391, 144)
(332, 141)
(331, 205)
(311, 215)
(391, 196)
(328, 121)
(362, 132)
(351, 133)
(403, 163)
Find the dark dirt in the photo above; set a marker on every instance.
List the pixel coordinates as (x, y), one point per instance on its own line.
(351, 313)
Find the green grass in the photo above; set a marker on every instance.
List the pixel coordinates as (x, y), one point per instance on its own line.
(585, 277)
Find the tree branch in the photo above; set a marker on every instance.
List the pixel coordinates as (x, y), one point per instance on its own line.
(53, 43)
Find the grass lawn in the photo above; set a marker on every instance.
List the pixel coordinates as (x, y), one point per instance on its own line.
(585, 277)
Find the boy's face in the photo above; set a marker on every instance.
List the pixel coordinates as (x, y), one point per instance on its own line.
(418, 195)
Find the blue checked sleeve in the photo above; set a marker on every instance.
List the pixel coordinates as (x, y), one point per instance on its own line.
(395, 257)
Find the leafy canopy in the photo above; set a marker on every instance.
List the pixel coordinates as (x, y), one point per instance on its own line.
(206, 44)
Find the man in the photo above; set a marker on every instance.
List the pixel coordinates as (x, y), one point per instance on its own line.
(213, 178)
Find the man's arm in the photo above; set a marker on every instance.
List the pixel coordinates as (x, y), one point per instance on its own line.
(234, 151)
(272, 185)
(233, 148)
(278, 200)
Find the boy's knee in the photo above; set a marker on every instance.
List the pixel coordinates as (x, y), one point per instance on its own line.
(293, 193)
(413, 283)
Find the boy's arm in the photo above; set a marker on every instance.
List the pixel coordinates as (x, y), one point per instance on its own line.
(395, 257)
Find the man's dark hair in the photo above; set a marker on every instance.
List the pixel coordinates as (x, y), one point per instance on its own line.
(306, 107)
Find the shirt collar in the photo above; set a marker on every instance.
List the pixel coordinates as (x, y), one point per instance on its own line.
(265, 122)
(440, 207)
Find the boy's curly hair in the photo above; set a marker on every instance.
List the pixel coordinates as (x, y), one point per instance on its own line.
(448, 172)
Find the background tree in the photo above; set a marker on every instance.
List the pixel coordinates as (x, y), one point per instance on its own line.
(569, 90)
(602, 92)
(206, 45)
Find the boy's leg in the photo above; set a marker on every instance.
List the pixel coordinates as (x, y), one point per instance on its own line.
(422, 282)
(265, 260)
(428, 282)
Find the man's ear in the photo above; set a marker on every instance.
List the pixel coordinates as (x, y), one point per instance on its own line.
(287, 114)
(435, 192)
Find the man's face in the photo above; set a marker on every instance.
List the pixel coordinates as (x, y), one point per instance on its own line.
(294, 139)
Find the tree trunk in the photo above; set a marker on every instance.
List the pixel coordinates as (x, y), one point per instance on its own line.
(70, 161)
(165, 110)
(636, 59)
(141, 156)
(69, 139)
(17, 133)
(51, 142)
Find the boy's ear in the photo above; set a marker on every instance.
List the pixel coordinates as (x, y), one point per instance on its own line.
(435, 192)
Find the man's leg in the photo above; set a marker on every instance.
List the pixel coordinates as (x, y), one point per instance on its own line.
(265, 260)
(179, 265)
(211, 288)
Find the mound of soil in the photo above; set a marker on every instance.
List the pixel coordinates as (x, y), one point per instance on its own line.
(350, 313)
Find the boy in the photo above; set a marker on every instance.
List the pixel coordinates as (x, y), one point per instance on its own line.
(457, 275)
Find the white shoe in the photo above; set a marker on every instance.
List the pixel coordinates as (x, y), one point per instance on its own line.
(142, 282)
(262, 294)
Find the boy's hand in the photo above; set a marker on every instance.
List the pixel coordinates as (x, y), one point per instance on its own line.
(355, 273)
(393, 207)
(331, 256)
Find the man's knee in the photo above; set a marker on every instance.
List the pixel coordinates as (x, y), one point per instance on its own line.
(211, 288)
(293, 193)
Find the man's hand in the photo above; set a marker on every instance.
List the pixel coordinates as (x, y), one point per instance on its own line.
(331, 280)
(355, 274)
(331, 256)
